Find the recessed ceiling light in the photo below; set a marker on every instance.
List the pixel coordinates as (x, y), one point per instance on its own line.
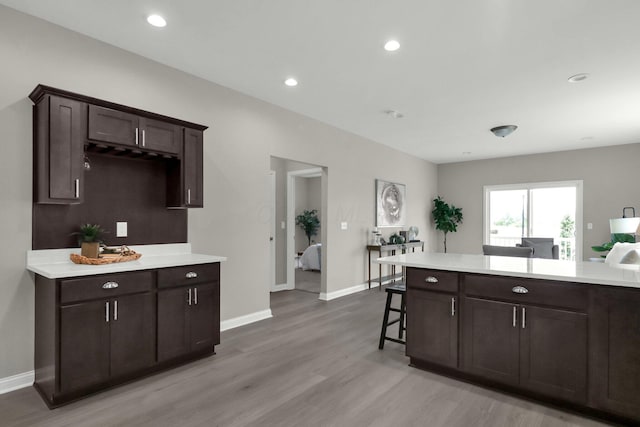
(395, 114)
(578, 78)
(391, 45)
(156, 21)
(291, 82)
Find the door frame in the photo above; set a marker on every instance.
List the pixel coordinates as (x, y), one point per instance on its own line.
(291, 223)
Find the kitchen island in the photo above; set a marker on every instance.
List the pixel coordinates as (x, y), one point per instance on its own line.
(567, 333)
(97, 326)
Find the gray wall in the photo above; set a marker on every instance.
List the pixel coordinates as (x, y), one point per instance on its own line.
(610, 182)
(243, 133)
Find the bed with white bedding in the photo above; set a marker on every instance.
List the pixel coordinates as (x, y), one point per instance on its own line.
(311, 258)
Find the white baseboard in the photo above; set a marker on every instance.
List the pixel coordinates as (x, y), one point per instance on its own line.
(282, 287)
(245, 320)
(16, 382)
(328, 296)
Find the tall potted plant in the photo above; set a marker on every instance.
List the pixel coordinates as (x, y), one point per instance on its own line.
(446, 218)
(309, 222)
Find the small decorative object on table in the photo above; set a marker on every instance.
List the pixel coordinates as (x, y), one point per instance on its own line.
(108, 256)
(396, 239)
(89, 239)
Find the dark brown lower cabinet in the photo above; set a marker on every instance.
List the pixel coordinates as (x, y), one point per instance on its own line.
(105, 339)
(432, 329)
(539, 349)
(93, 332)
(186, 320)
(553, 352)
(615, 351)
(490, 340)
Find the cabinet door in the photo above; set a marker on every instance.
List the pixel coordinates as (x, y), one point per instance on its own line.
(160, 136)
(173, 332)
(84, 345)
(192, 168)
(553, 352)
(202, 323)
(133, 334)
(490, 340)
(615, 351)
(113, 126)
(66, 151)
(432, 327)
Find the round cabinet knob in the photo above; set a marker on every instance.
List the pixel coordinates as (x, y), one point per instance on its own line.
(431, 279)
(520, 290)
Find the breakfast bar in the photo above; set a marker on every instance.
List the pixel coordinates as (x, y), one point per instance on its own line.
(562, 332)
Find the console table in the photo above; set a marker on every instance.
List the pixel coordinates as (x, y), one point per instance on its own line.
(390, 248)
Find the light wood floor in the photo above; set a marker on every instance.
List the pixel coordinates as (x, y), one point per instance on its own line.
(314, 364)
(308, 280)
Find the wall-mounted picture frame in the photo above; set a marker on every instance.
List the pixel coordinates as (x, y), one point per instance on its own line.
(391, 204)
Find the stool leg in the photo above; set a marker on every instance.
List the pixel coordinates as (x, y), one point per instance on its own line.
(401, 327)
(385, 320)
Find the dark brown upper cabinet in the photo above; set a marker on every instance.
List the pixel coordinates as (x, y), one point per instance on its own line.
(118, 127)
(185, 177)
(59, 150)
(66, 125)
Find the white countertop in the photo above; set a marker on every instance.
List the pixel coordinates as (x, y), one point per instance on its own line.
(569, 271)
(55, 263)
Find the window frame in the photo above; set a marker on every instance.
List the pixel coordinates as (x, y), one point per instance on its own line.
(578, 184)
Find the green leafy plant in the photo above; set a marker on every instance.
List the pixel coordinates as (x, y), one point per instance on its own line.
(396, 239)
(90, 233)
(446, 218)
(615, 238)
(309, 222)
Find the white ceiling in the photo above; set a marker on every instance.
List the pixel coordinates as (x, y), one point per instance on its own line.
(464, 66)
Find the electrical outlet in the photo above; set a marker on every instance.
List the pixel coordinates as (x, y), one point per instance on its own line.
(589, 226)
(343, 225)
(121, 229)
(283, 225)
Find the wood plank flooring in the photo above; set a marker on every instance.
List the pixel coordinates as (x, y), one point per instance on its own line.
(314, 364)
(308, 280)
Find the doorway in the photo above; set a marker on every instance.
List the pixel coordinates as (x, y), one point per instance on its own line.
(298, 260)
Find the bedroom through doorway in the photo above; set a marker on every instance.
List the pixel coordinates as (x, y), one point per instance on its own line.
(297, 248)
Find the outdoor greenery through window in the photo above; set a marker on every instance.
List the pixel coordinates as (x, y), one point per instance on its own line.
(535, 210)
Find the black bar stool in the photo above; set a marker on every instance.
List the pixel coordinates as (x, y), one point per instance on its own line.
(398, 288)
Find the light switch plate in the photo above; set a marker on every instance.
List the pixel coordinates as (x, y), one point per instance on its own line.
(343, 225)
(589, 226)
(282, 225)
(121, 229)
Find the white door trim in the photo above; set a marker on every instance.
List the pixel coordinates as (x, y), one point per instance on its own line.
(291, 222)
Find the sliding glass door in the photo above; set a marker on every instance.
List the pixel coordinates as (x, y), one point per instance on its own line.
(552, 210)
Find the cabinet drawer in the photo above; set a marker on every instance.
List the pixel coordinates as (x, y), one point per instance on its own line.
(544, 292)
(105, 286)
(436, 280)
(188, 275)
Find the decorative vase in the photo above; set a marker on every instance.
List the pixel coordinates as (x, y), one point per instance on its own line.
(90, 249)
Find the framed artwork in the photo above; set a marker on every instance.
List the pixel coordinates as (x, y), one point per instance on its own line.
(391, 209)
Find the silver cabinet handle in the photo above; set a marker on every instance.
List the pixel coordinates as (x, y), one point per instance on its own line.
(431, 279)
(143, 137)
(106, 311)
(515, 315)
(519, 290)
(195, 296)
(524, 317)
(77, 188)
(137, 136)
(191, 275)
(115, 310)
(189, 196)
(189, 300)
(110, 285)
(453, 306)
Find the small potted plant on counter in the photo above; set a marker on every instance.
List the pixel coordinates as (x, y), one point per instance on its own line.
(89, 238)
